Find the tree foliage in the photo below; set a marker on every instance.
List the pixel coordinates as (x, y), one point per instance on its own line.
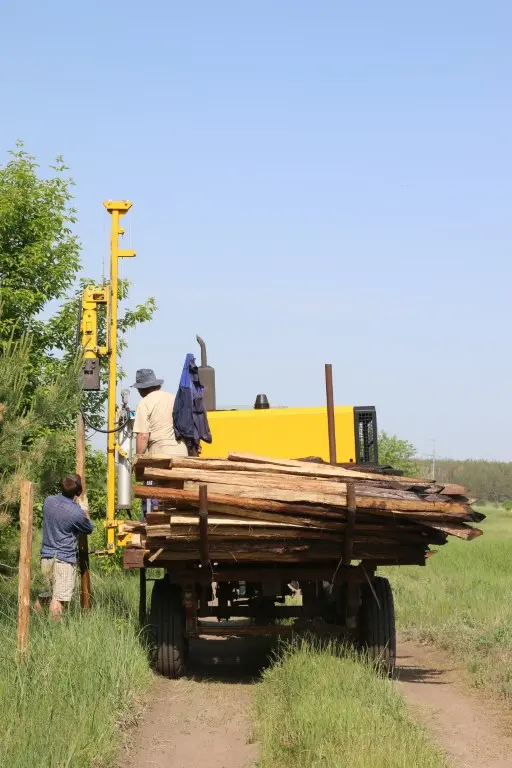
(35, 441)
(39, 254)
(397, 453)
(39, 265)
(487, 480)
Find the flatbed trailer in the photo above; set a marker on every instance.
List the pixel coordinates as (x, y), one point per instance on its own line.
(347, 603)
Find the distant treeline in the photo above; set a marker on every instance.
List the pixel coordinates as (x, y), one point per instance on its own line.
(487, 480)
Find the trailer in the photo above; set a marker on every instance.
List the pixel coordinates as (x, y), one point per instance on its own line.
(346, 603)
(238, 536)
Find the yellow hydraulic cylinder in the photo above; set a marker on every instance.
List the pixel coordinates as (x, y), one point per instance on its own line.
(91, 297)
(117, 209)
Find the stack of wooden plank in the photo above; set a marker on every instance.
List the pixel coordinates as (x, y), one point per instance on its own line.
(268, 510)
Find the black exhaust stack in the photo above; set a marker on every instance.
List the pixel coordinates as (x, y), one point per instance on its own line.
(207, 378)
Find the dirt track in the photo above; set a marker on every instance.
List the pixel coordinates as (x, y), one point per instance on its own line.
(206, 721)
(471, 730)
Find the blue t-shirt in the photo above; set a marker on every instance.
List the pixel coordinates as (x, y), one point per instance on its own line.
(63, 520)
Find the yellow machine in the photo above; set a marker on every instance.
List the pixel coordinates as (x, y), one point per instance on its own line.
(92, 298)
(276, 432)
(298, 433)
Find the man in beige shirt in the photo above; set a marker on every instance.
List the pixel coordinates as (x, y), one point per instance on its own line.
(153, 417)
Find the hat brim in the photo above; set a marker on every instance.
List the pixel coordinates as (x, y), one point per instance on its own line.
(148, 384)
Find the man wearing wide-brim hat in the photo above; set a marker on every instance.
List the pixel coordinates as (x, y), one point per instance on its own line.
(153, 418)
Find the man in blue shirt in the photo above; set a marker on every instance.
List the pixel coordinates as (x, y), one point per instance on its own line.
(63, 521)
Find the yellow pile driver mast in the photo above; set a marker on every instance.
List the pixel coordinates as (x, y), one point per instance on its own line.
(118, 427)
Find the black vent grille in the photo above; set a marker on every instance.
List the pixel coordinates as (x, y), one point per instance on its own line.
(365, 427)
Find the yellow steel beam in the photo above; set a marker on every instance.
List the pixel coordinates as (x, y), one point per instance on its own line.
(117, 209)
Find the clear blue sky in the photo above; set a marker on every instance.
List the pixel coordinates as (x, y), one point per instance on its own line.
(312, 182)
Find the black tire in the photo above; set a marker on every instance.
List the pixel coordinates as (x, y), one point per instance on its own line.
(377, 624)
(167, 619)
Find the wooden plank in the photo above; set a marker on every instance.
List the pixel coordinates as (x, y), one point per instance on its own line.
(304, 469)
(219, 521)
(333, 486)
(341, 472)
(152, 460)
(295, 485)
(331, 500)
(192, 533)
(155, 555)
(267, 511)
(235, 504)
(233, 556)
(461, 530)
(133, 558)
(452, 489)
(26, 526)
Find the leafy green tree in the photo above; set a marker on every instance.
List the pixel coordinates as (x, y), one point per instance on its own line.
(35, 441)
(39, 254)
(489, 481)
(396, 453)
(39, 264)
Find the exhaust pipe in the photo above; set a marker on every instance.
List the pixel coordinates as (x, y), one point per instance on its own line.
(207, 378)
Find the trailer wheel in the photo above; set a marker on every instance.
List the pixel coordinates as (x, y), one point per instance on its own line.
(168, 627)
(377, 624)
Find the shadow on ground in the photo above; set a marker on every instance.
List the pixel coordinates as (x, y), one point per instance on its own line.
(415, 674)
(230, 659)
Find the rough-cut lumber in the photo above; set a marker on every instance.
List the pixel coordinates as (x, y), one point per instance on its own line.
(234, 503)
(283, 555)
(306, 469)
(248, 509)
(266, 511)
(349, 474)
(332, 500)
(333, 486)
(461, 530)
(452, 489)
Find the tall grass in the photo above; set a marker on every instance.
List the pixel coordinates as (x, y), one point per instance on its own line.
(83, 679)
(461, 602)
(315, 707)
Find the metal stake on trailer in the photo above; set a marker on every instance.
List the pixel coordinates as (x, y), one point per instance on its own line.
(331, 423)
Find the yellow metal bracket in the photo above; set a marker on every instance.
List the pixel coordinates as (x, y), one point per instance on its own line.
(121, 451)
(91, 298)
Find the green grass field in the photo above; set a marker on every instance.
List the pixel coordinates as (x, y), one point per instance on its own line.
(322, 708)
(461, 602)
(84, 679)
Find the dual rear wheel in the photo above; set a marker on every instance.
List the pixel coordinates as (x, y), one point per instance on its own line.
(377, 635)
(167, 622)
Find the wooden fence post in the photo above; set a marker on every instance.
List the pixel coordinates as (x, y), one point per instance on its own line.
(26, 525)
(83, 543)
